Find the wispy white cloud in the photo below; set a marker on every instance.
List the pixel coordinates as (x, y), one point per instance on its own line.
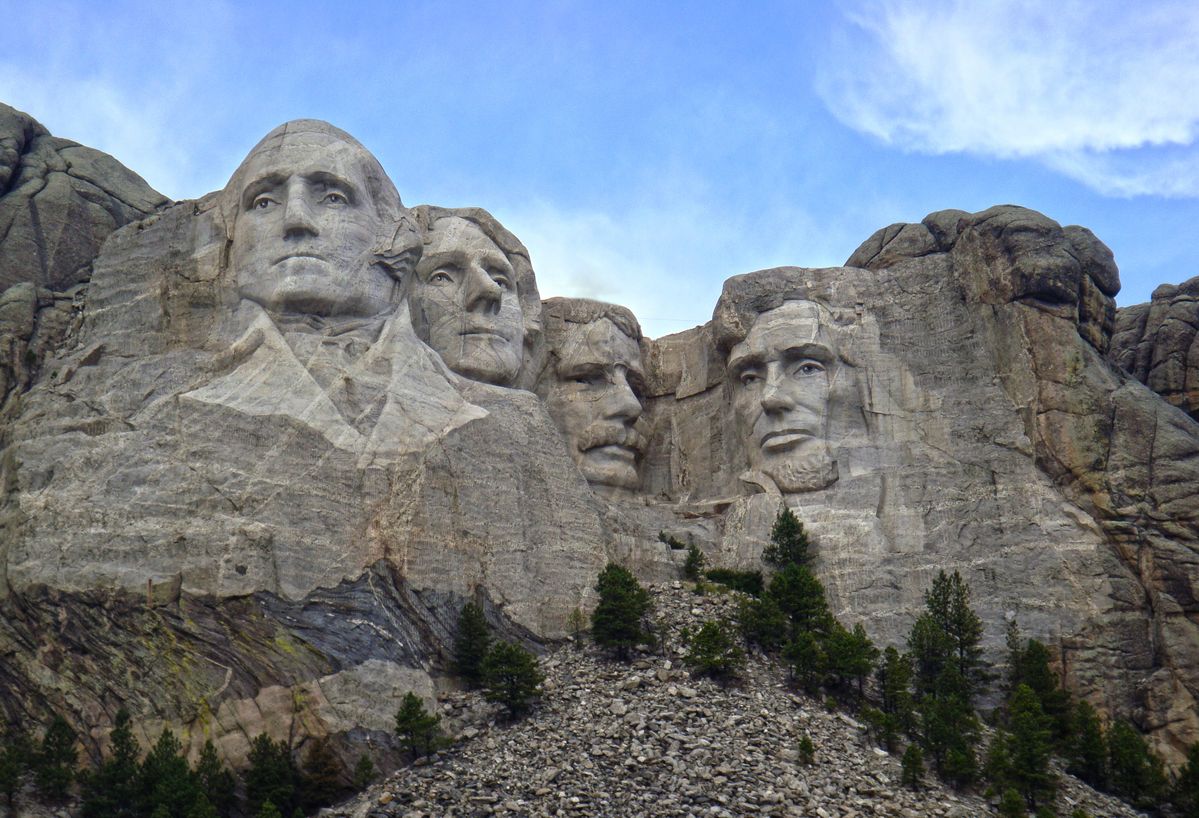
(666, 261)
(1099, 90)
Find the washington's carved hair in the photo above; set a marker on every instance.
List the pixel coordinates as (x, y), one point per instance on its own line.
(397, 245)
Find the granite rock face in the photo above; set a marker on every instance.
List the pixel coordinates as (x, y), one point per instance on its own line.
(282, 433)
(58, 202)
(1157, 343)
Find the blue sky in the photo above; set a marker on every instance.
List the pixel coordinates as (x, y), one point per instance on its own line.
(646, 151)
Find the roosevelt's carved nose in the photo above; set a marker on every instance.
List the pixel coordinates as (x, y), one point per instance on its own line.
(621, 402)
(483, 294)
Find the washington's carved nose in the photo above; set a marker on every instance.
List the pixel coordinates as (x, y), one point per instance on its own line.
(482, 293)
(298, 221)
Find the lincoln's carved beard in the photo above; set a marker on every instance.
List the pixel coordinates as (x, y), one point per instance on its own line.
(810, 470)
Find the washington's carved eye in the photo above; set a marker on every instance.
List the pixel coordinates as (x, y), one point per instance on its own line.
(334, 198)
(502, 280)
(261, 202)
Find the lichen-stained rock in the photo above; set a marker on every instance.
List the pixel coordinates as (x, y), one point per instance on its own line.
(1010, 323)
(212, 435)
(59, 201)
(1158, 343)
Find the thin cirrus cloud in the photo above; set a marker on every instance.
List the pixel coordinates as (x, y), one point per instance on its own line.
(1099, 91)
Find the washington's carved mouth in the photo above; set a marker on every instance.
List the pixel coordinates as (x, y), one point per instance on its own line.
(615, 452)
(783, 438)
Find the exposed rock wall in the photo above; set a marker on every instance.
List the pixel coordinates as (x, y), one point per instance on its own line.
(238, 498)
(1158, 344)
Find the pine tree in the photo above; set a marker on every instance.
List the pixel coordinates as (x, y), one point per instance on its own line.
(1134, 772)
(202, 808)
(165, 779)
(851, 656)
(805, 656)
(14, 755)
(364, 773)
(1031, 747)
(911, 773)
(948, 605)
(894, 685)
(471, 641)
(271, 777)
(214, 780)
(1011, 804)
(268, 810)
(320, 781)
(713, 651)
(694, 564)
(511, 677)
(1185, 792)
(1087, 750)
(417, 726)
(112, 790)
(807, 750)
(618, 619)
(763, 623)
(1028, 664)
(788, 541)
(55, 760)
(800, 596)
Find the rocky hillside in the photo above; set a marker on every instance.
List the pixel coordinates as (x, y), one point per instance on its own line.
(644, 738)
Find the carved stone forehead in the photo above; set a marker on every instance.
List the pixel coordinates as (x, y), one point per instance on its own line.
(599, 341)
(453, 231)
(302, 144)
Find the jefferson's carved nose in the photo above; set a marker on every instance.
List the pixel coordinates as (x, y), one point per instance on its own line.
(482, 293)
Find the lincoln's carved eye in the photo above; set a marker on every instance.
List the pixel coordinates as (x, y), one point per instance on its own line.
(748, 378)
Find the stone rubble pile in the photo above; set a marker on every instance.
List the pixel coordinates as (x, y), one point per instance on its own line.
(645, 738)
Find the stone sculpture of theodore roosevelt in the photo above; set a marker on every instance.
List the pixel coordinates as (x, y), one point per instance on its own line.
(593, 384)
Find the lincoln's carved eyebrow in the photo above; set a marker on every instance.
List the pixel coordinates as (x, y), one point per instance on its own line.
(740, 362)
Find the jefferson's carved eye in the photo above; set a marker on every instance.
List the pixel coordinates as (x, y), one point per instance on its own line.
(441, 277)
(502, 280)
(808, 368)
(334, 198)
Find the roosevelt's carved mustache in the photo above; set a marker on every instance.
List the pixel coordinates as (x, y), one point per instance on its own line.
(611, 434)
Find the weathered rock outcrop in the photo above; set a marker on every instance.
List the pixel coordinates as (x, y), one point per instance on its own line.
(1158, 343)
(278, 441)
(59, 201)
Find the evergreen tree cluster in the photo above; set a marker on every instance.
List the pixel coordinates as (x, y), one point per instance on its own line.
(507, 673)
(620, 619)
(791, 616)
(162, 784)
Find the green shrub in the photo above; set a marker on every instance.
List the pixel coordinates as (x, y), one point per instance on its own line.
(511, 677)
(419, 728)
(471, 641)
(713, 651)
(618, 621)
(807, 750)
(55, 759)
(747, 582)
(694, 564)
(788, 541)
(911, 773)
